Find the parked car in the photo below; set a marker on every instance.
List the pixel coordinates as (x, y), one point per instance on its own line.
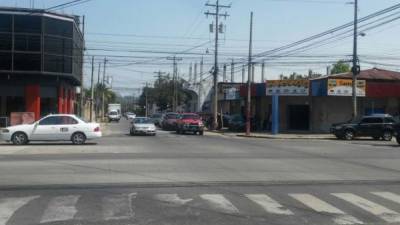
(130, 115)
(237, 123)
(379, 126)
(157, 119)
(143, 125)
(114, 116)
(169, 121)
(59, 127)
(189, 122)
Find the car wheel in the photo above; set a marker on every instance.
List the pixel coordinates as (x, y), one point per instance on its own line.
(349, 135)
(398, 139)
(78, 139)
(19, 138)
(387, 135)
(201, 133)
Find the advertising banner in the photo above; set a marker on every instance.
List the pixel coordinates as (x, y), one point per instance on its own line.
(288, 87)
(230, 91)
(344, 87)
(18, 118)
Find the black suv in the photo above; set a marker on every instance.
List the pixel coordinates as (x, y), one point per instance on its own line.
(380, 126)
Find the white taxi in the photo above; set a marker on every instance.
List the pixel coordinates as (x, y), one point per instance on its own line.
(57, 127)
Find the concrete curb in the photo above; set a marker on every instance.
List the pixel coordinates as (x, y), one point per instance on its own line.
(287, 138)
(277, 137)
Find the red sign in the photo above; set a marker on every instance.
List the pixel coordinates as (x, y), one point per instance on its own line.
(18, 118)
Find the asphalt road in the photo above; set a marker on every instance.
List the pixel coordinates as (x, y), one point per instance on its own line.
(188, 179)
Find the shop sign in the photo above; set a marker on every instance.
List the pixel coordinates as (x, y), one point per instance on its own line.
(18, 118)
(288, 87)
(230, 91)
(344, 87)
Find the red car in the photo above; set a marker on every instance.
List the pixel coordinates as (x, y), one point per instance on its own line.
(169, 121)
(189, 122)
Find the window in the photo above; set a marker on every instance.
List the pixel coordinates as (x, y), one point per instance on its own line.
(5, 23)
(53, 120)
(190, 116)
(372, 120)
(58, 46)
(27, 62)
(67, 120)
(389, 120)
(58, 27)
(5, 41)
(27, 24)
(53, 63)
(27, 43)
(5, 62)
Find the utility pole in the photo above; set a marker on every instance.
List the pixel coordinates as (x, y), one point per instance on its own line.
(97, 106)
(250, 65)
(91, 91)
(159, 74)
(263, 72)
(243, 74)
(216, 14)
(147, 102)
(175, 79)
(104, 89)
(224, 74)
(356, 67)
(201, 83)
(195, 74)
(232, 71)
(190, 72)
(252, 72)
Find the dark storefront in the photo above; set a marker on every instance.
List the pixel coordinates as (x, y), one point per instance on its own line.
(40, 62)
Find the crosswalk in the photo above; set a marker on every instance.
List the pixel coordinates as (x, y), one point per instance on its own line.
(336, 208)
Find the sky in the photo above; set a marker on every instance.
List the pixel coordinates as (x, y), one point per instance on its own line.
(137, 36)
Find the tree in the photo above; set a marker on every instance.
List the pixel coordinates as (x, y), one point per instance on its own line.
(340, 67)
(162, 93)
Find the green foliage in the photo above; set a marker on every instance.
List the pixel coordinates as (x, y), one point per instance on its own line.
(162, 94)
(340, 67)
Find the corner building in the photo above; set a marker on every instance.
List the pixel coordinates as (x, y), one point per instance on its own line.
(41, 56)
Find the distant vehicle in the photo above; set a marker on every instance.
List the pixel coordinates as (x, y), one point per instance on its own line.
(114, 112)
(378, 126)
(58, 127)
(113, 116)
(130, 115)
(143, 125)
(237, 123)
(189, 122)
(157, 119)
(169, 121)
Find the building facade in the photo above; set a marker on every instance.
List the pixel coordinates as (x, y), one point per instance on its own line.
(314, 105)
(41, 57)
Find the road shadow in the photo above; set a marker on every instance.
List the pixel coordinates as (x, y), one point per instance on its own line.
(48, 144)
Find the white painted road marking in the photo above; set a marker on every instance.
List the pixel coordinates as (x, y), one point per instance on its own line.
(8, 206)
(219, 202)
(388, 195)
(61, 208)
(118, 207)
(269, 204)
(378, 210)
(173, 199)
(321, 206)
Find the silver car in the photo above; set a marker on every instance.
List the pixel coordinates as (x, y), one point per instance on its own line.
(143, 125)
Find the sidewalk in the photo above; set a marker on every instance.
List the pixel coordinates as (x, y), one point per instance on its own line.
(288, 136)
